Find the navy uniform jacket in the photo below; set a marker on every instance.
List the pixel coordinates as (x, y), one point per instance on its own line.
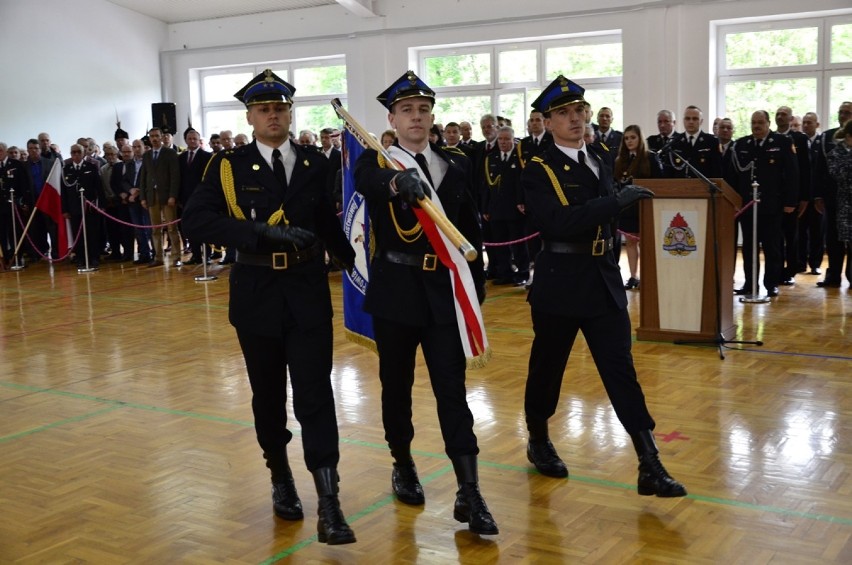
(501, 200)
(572, 284)
(613, 139)
(803, 158)
(403, 293)
(776, 169)
(89, 178)
(657, 141)
(705, 155)
(823, 184)
(15, 174)
(262, 299)
(527, 149)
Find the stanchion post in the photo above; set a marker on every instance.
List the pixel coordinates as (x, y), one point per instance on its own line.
(87, 268)
(205, 277)
(17, 266)
(754, 297)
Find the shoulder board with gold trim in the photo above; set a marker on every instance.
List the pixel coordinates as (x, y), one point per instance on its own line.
(454, 150)
(604, 147)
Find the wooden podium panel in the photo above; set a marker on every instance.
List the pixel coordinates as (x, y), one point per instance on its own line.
(678, 264)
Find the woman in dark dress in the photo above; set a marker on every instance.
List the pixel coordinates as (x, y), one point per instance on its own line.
(634, 161)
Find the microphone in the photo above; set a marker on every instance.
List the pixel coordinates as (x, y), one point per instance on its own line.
(675, 137)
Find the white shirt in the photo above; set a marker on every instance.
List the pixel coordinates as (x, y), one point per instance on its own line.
(287, 155)
(573, 154)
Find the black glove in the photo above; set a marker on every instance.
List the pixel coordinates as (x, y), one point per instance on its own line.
(271, 239)
(411, 187)
(632, 193)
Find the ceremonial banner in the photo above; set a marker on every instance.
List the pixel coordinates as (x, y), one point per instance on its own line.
(356, 226)
(50, 202)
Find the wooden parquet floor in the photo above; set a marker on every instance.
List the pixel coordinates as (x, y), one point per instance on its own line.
(126, 437)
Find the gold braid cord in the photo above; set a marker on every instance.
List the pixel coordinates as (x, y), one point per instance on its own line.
(553, 180)
(491, 182)
(227, 176)
(409, 235)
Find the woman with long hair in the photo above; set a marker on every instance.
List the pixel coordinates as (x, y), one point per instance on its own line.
(633, 161)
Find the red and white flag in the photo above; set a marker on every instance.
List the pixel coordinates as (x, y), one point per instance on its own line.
(50, 202)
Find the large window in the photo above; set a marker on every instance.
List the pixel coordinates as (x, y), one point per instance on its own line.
(505, 78)
(803, 63)
(317, 81)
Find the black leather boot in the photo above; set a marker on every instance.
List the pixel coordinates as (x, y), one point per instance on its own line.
(542, 454)
(285, 499)
(470, 507)
(404, 481)
(653, 477)
(331, 526)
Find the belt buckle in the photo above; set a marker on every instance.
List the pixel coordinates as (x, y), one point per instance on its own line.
(279, 261)
(598, 247)
(430, 262)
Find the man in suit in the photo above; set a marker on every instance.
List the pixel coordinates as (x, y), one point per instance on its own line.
(269, 201)
(160, 185)
(132, 175)
(695, 146)
(119, 235)
(452, 136)
(726, 137)
(790, 227)
(191, 163)
(42, 224)
(501, 209)
(14, 176)
(411, 295)
(80, 173)
(666, 123)
(569, 195)
(605, 134)
(826, 203)
(770, 159)
(811, 223)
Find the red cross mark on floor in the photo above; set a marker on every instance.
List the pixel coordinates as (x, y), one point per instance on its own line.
(666, 438)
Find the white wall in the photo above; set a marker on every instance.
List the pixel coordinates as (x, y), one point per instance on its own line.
(63, 71)
(667, 44)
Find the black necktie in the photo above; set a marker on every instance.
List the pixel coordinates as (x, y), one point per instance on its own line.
(581, 157)
(692, 140)
(189, 158)
(424, 166)
(535, 141)
(278, 168)
(156, 154)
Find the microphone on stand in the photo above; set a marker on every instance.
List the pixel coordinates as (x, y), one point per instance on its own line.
(675, 137)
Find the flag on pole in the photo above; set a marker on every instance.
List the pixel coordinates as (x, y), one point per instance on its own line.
(356, 225)
(50, 202)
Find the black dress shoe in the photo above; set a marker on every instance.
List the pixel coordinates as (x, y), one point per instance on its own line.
(828, 284)
(655, 480)
(742, 291)
(502, 282)
(285, 501)
(406, 486)
(814, 271)
(788, 282)
(542, 454)
(470, 508)
(772, 292)
(631, 283)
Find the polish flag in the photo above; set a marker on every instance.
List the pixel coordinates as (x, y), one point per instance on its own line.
(50, 202)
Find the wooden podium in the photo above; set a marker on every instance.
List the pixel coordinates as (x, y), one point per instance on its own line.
(678, 292)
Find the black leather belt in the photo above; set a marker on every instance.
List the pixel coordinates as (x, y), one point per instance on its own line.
(427, 262)
(597, 247)
(279, 261)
